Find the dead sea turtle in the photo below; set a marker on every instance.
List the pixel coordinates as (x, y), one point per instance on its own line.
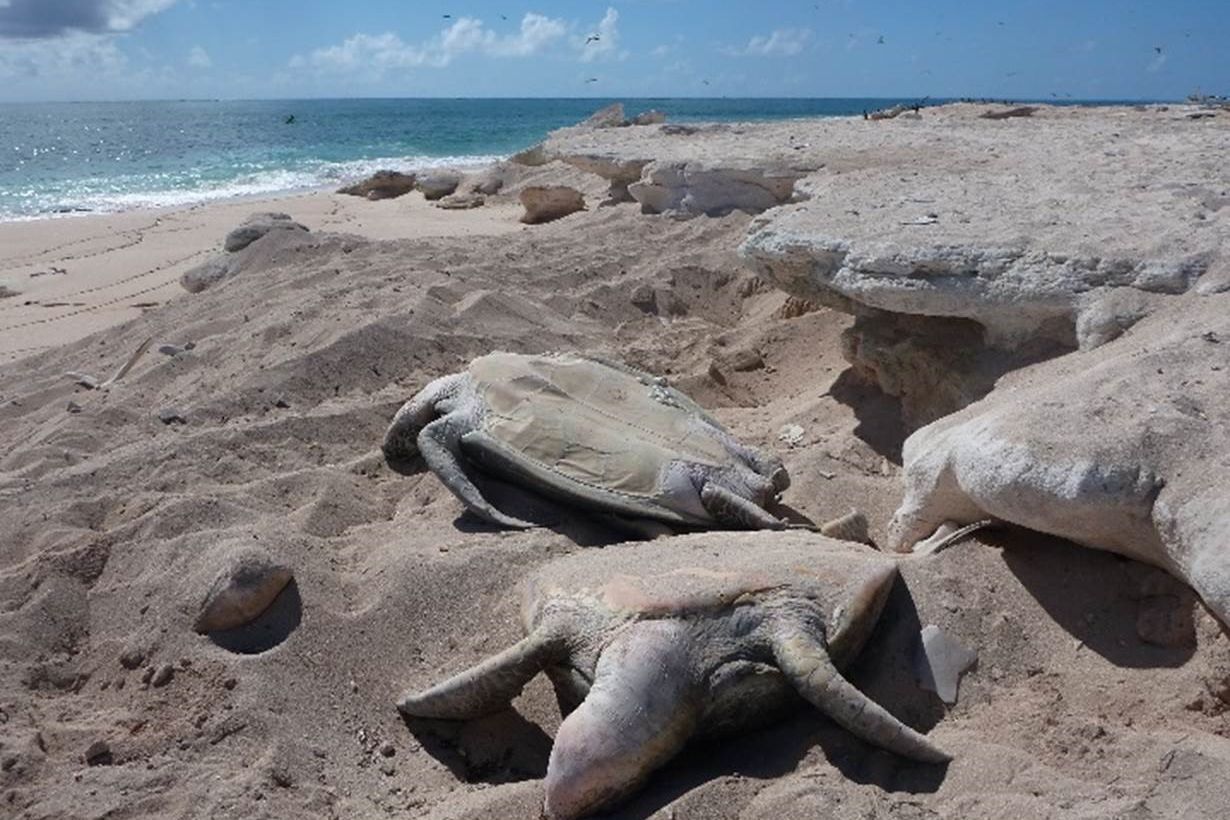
(648, 647)
(588, 432)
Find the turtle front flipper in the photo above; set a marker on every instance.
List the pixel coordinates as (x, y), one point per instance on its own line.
(488, 687)
(805, 662)
(734, 510)
(641, 710)
(440, 444)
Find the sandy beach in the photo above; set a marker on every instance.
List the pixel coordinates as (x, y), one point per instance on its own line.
(824, 288)
(77, 275)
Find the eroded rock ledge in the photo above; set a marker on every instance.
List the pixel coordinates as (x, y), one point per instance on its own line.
(967, 247)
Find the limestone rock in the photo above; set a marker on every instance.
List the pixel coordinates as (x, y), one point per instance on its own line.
(207, 273)
(244, 586)
(256, 226)
(1123, 448)
(382, 185)
(438, 184)
(694, 188)
(461, 202)
(610, 117)
(545, 203)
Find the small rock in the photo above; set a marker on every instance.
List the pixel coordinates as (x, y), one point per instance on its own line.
(546, 203)
(98, 753)
(72, 407)
(170, 350)
(171, 416)
(940, 663)
(744, 360)
(388, 749)
(281, 402)
(643, 297)
(147, 675)
(206, 274)
(461, 202)
(791, 435)
(132, 657)
(164, 675)
(247, 583)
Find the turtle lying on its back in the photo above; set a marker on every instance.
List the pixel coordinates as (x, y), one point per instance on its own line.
(592, 433)
(648, 647)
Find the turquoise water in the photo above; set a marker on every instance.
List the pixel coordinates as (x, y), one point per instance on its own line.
(63, 158)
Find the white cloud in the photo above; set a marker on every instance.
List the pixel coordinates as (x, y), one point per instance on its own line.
(607, 44)
(377, 53)
(782, 42)
(64, 58)
(199, 58)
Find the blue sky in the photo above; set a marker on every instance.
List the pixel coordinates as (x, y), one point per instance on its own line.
(135, 49)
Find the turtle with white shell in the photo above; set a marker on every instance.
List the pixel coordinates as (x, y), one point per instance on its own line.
(593, 434)
(649, 647)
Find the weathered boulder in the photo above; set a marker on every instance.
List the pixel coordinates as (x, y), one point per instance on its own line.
(246, 581)
(620, 173)
(694, 188)
(256, 226)
(1124, 448)
(208, 273)
(545, 203)
(460, 202)
(489, 181)
(382, 185)
(439, 183)
(610, 117)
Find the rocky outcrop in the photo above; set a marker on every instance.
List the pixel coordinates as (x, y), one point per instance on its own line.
(966, 257)
(439, 183)
(546, 203)
(381, 185)
(1124, 448)
(651, 117)
(256, 226)
(694, 188)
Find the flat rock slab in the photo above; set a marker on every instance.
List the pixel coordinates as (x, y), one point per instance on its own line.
(1009, 222)
(940, 663)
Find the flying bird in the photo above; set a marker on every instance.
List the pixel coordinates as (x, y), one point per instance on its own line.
(1158, 49)
(592, 80)
(593, 38)
(880, 41)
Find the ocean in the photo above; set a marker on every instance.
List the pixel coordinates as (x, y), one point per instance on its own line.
(73, 158)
